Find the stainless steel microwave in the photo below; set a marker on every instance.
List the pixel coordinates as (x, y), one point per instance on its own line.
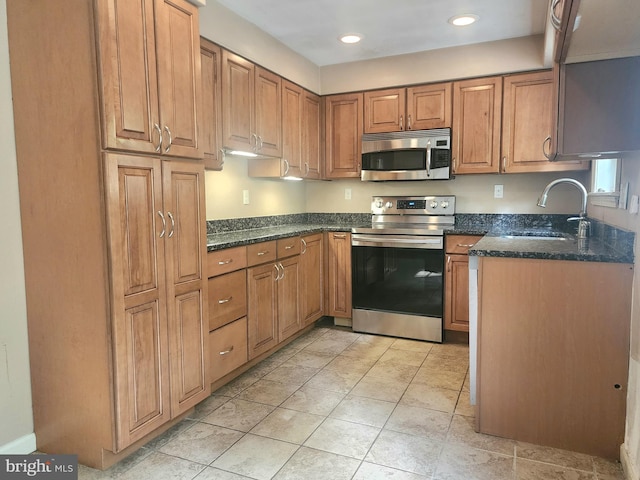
(408, 155)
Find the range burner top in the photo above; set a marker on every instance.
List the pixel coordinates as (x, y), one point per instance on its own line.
(428, 215)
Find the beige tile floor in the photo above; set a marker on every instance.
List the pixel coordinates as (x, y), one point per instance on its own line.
(338, 405)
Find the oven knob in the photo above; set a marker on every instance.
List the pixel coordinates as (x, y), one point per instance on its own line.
(444, 204)
(389, 205)
(433, 204)
(379, 203)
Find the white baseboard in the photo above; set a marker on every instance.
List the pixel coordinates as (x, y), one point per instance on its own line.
(20, 446)
(630, 470)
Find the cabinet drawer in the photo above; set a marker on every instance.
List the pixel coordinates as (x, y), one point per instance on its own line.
(228, 348)
(227, 298)
(288, 247)
(460, 243)
(225, 261)
(262, 252)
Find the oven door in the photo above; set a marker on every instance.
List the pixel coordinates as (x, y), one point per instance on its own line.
(398, 285)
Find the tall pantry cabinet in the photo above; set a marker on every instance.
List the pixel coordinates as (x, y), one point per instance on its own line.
(112, 206)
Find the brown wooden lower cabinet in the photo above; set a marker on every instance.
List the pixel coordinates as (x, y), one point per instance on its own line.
(553, 352)
(262, 308)
(311, 279)
(456, 294)
(228, 348)
(339, 274)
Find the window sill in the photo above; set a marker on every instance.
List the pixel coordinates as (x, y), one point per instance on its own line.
(604, 199)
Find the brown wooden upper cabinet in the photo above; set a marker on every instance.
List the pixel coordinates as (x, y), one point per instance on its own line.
(527, 125)
(343, 131)
(292, 103)
(150, 64)
(251, 107)
(476, 125)
(413, 108)
(211, 134)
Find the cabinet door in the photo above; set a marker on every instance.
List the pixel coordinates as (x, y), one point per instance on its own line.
(476, 125)
(384, 111)
(237, 102)
(429, 106)
(211, 133)
(129, 87)
(456, 314)
(268, 110)
(138, 296)
(292, 128)
(179, 80)
(311, 279)
(289, 319)
(311, 136)
(343, 154)
(339, 276)
(527, 122)
(185, 240)
(262, 309)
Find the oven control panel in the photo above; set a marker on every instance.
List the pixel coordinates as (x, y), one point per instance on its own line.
(429, 205)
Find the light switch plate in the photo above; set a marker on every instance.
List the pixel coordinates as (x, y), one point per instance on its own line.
(498, 191)
(347, 194)
(245, 197)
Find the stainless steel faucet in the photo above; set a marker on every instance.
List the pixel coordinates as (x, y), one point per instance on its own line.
(583, 223)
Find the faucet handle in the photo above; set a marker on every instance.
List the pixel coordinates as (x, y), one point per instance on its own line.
(575, 219)
(584, 226)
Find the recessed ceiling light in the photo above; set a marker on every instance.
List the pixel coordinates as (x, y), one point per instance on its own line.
(351, 38)
(464, 20)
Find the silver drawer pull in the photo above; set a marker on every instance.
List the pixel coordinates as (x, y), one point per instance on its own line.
(288, 247)
(225, 262)
(264, 252)
(466, 245)
(339, 235)
(225, 300)
(229, 350)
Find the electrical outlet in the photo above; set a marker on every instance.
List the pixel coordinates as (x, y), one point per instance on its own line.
(347, 194)
(498, 191)
(633, 206)
(245, 197)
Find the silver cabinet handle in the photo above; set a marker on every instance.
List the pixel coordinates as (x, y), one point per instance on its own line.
(289, 247)
(286, 167)
(544, 150)
(255, 143)
(164, 224)
(453, 165)
(448, 263)
(224, 300)
(306, 166)
(409, 122)
(157, 127)
(469, 245)
(228, 350)
(281, 272)
(504, 163)
(264, 252)
(275, 265)
(225, 262)
(260, 138)
(221, 156)
(304, 246)
(166, 129)
(339, 235)
(401, 122)
(173, 224)
(555, 21)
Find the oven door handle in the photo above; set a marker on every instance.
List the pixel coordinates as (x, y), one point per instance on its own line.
(396, 241)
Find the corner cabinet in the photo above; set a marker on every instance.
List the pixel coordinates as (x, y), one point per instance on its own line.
(456, 294)
(157, 245)
(527, 125)
(343, 135)
(311, 136)
(121, 276)
(150, 65)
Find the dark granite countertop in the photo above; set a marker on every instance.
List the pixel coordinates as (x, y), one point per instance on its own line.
(606, 244)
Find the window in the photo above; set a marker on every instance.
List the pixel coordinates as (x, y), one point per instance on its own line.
(605, 182)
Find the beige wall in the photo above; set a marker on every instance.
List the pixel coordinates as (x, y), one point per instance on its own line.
(491, 58)
(220, 25)
(223, 192)
(16, 421)
(623, 219)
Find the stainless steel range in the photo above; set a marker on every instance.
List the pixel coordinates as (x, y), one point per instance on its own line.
(398, 264)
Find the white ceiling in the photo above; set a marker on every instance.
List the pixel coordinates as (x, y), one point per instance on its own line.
(389, 27)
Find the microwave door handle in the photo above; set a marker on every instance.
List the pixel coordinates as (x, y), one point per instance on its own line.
(429, 159)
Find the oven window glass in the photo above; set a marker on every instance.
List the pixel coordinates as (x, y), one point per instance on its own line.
(410, 159)
(399, 280)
